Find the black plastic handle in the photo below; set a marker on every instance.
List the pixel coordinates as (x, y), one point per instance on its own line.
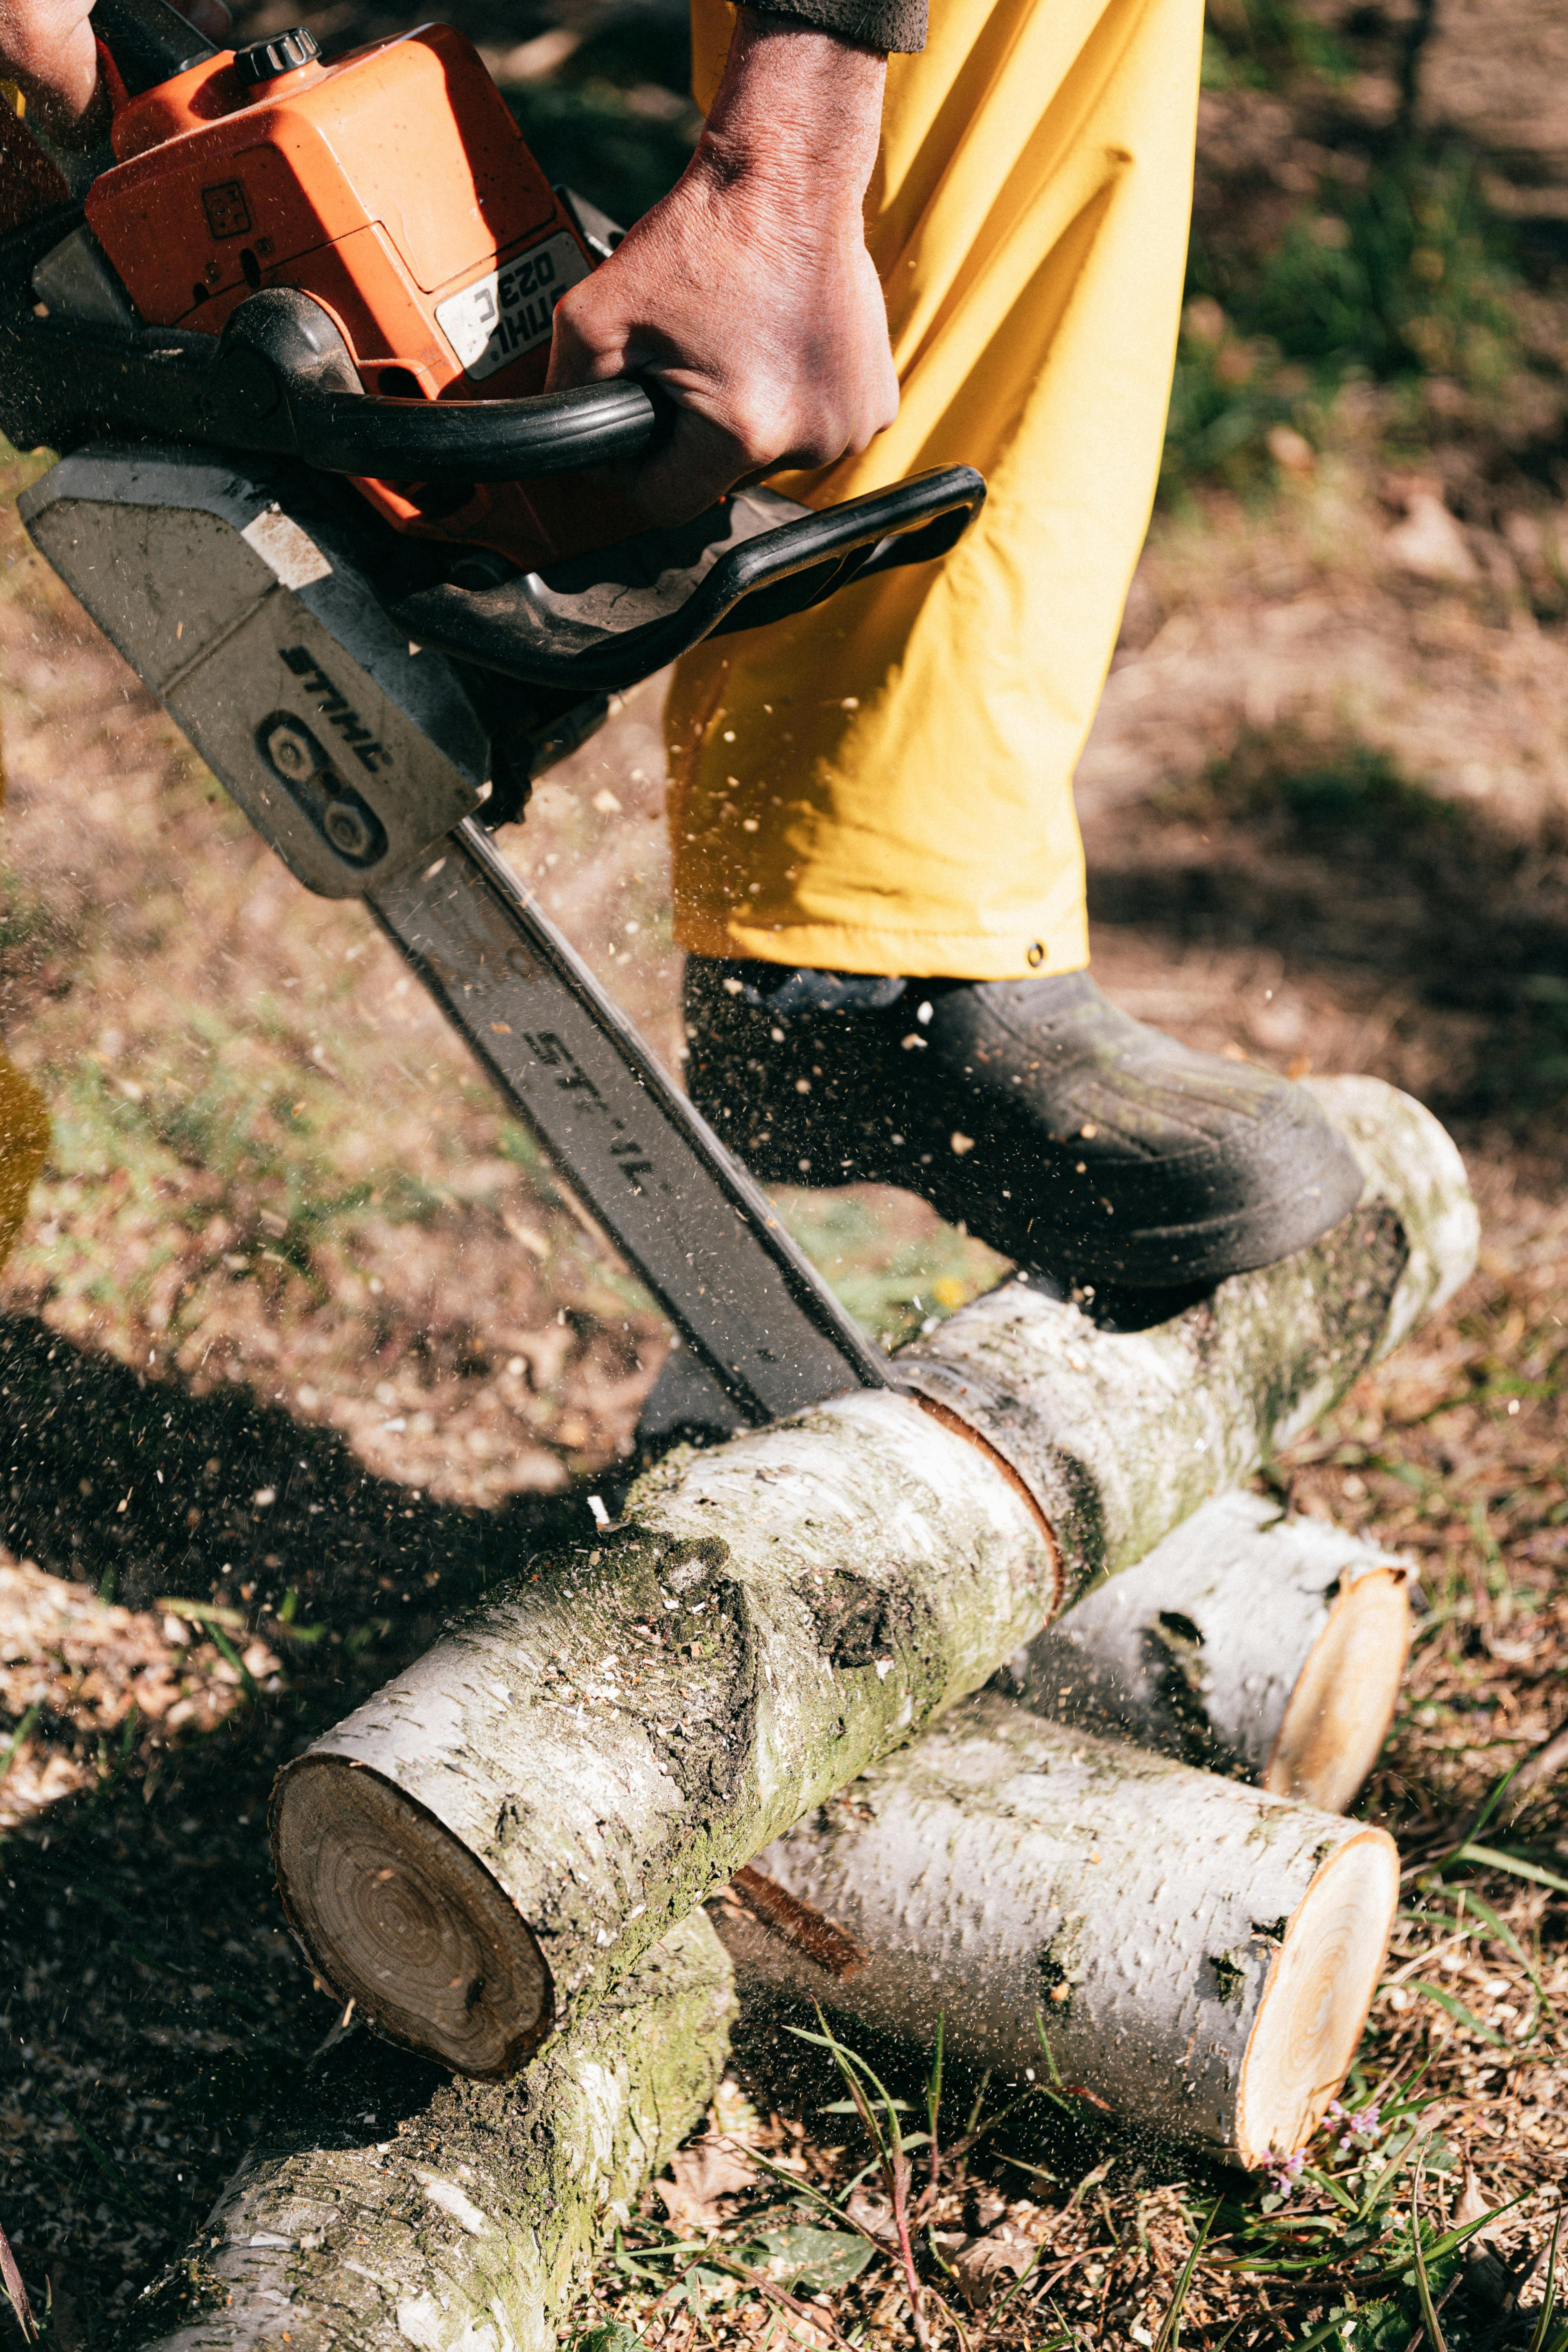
(149, 41)
(318, 411)
(539, 630)
(474, 440)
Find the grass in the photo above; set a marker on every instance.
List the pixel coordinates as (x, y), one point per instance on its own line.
(1337, 789)
(1346, 2244)
(894, 1281)
(1408, 280)
(1268, 44)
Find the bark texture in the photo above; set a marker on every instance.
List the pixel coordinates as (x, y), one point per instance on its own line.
(591, 1753)
(1267, 1648)
(398, 2207)
(1199, 1956)
(1121, 1435)
(613, 1737)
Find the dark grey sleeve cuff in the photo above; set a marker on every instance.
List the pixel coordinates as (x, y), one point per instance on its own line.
(895, 25)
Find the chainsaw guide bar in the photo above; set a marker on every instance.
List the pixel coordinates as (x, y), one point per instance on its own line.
(361, 762)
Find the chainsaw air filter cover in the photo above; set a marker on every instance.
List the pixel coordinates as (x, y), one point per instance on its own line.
(394, 187)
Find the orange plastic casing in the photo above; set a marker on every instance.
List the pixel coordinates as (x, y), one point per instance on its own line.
(394, 187)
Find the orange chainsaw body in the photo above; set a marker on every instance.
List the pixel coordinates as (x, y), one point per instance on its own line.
(394, 187)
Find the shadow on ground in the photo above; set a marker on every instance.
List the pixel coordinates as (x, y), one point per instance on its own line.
(1327, 854)
(156, 2005)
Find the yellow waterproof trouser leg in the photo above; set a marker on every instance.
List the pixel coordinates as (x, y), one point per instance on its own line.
(885, 785)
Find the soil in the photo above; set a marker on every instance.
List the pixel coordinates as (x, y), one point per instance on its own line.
(301, 1343)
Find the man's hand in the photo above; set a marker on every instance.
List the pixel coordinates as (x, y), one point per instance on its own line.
(47, 48)
(747, 293)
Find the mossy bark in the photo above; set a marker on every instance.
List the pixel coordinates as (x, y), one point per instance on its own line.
(610, 1737)
(395, 2206)
(614, 1736)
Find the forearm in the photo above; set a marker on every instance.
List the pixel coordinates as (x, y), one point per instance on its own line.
(799, 110)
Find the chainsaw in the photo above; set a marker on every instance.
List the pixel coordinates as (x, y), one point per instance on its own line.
(290, 345)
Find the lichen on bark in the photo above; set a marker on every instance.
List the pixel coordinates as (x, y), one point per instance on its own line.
(396, 2205)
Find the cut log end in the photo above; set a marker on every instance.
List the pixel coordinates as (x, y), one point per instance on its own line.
(403, 1919)
(1315, 2003)
(1343, 1701)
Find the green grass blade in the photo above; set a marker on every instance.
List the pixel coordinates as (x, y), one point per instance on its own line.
(1493, 1858)
(1171, 2325)
(1549, 2299)
(1459, 2013)
(13, 1747)
(1422, 2283)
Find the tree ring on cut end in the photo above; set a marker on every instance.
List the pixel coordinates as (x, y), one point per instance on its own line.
(1338, 1714)
(1315, 2001)
(399, 1915)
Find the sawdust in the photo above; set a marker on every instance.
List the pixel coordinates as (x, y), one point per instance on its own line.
(302, 1334)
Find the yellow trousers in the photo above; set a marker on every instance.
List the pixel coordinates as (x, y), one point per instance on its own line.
(885, 785)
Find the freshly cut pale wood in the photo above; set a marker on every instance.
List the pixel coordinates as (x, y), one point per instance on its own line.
(397, 2207)
(1266, 1647)
(612, 1734)
(1196, 1956)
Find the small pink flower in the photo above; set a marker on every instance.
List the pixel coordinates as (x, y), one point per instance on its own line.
(1286, 2170)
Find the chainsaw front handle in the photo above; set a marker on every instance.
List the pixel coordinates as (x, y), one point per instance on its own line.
(279, 381)
(598, 624)
(473, 440)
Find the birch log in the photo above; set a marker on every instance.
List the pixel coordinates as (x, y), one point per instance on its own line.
(1198, 1956)
(1119, 1436)
(397, 2206)
(1264, 1647)
(495, 1837)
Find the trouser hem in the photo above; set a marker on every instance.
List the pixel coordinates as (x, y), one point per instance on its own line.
(915, 955)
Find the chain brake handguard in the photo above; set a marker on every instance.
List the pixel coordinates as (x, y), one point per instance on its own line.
(280, 383)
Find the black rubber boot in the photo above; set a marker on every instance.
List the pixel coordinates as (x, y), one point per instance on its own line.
(1084, 1144)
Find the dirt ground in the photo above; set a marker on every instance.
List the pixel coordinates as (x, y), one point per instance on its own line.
(302, 1344)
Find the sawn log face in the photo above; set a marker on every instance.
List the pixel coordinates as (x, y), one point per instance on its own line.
(1049, 1892)
(624, 1727)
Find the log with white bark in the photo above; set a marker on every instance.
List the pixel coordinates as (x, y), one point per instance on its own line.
(1120, 1436)
(1262, 1646)
(1197, 1956)
(494, 1838)
(397, 2207)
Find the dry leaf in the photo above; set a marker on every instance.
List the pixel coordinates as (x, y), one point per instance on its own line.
(1473, 2202)
(705, 2172)
(1004, 2253)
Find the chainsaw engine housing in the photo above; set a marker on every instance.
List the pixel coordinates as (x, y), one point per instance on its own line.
(392, 186)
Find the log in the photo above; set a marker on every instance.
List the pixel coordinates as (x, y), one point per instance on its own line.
(1267, 1648)
(494, 1838)
(1119, 1436)
(1198, 1956)
(395, 2206)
